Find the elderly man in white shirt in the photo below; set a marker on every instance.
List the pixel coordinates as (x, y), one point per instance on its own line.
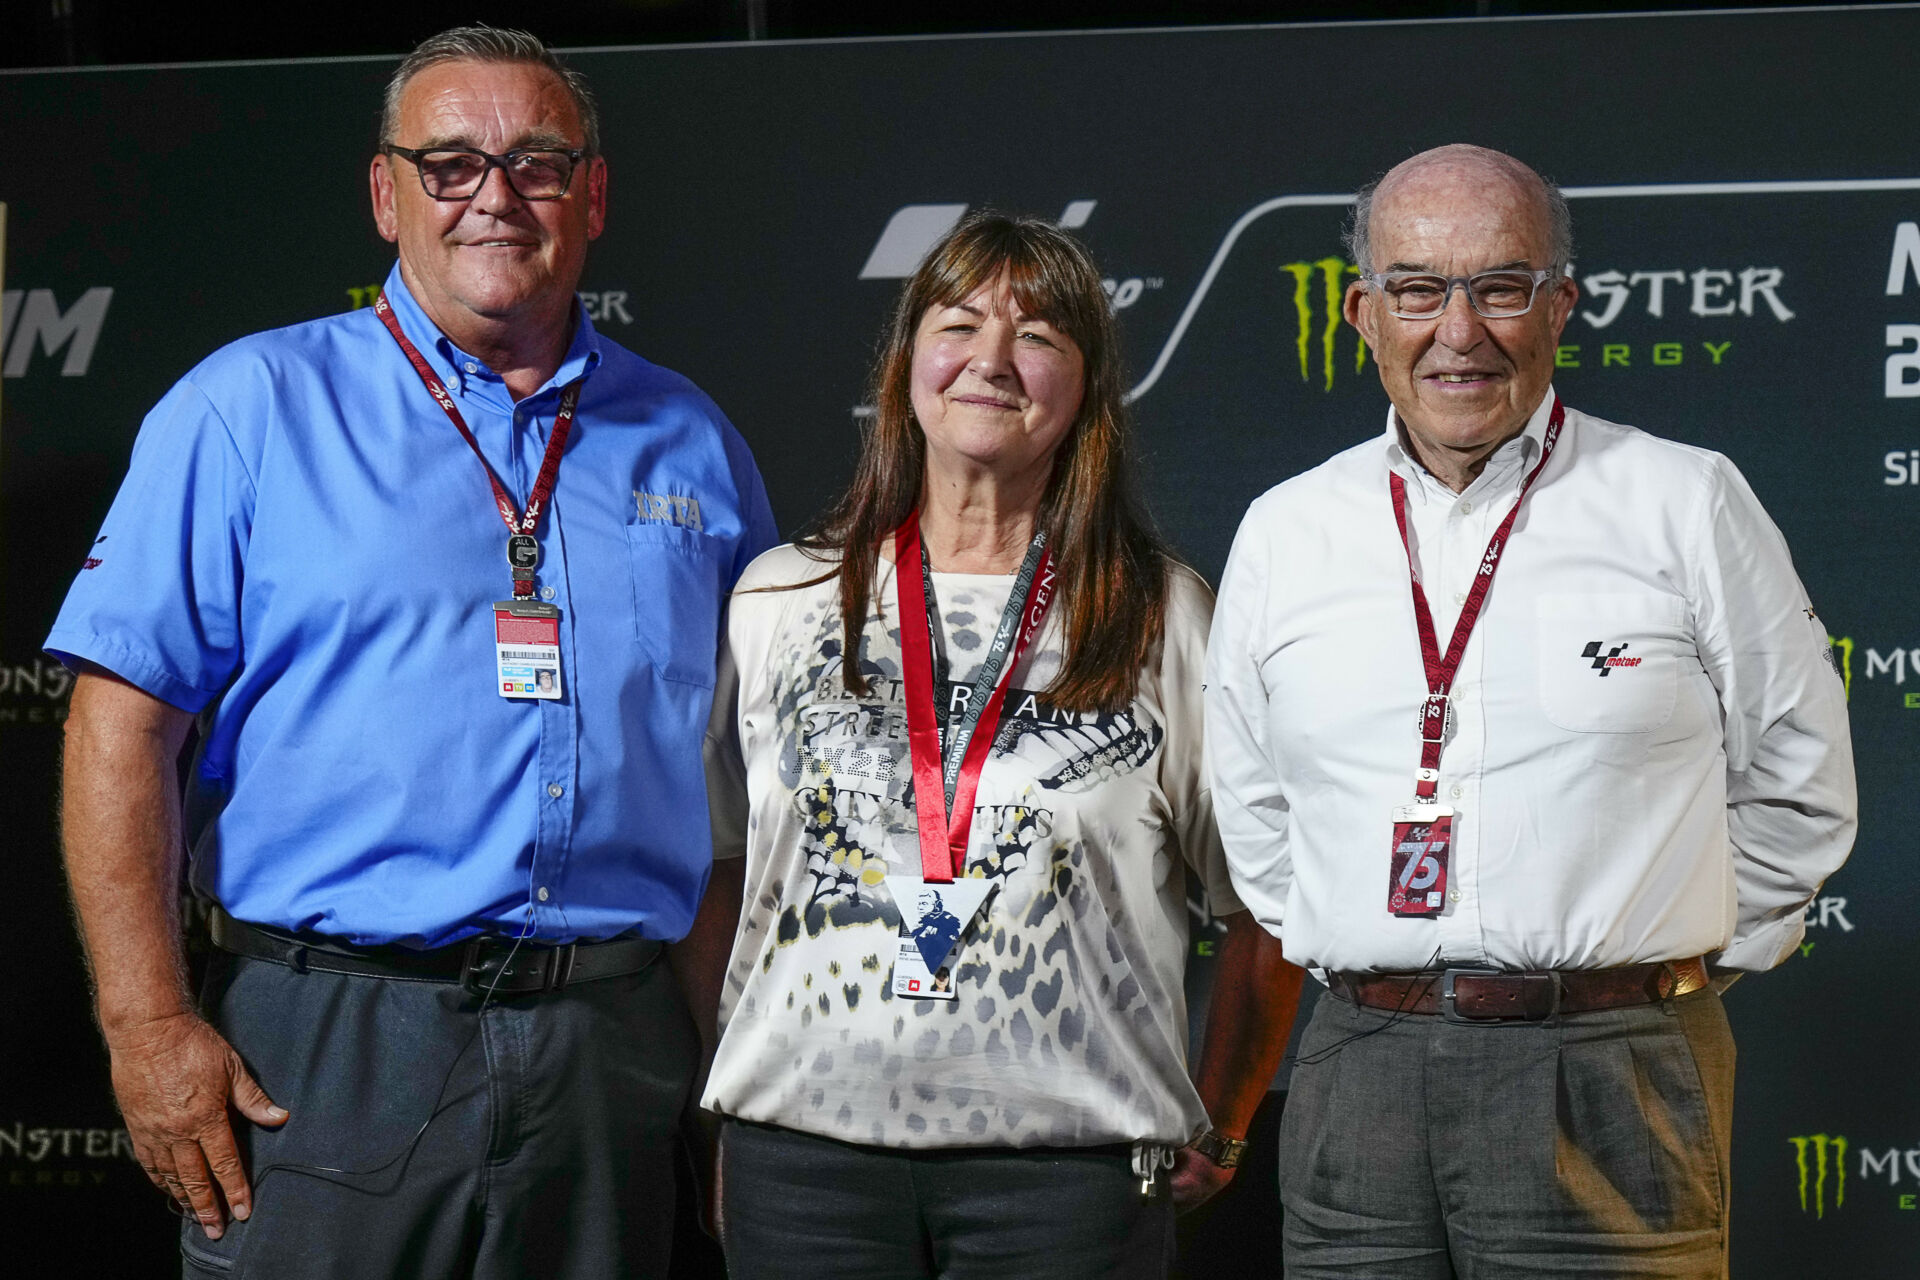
(1523, 732)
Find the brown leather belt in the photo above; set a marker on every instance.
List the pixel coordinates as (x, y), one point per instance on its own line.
(1534, 995)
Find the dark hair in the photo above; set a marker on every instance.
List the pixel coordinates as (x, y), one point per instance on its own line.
(1112, 566)
(481, 43)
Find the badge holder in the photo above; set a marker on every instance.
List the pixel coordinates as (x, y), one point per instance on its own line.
(1422, 839)
(526, 646)
(1423, 830)
(933, 916)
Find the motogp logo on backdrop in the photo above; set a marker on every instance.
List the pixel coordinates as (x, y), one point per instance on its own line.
(915, 228)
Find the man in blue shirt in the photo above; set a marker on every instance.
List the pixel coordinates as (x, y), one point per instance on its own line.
(448, 803)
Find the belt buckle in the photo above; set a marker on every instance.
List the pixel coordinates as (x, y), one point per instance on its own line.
(475, 959)
(559, 966)
(1452, 1014)
(485, 969)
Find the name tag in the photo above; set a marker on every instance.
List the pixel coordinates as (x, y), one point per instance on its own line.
(1422, 843)
(526, 647)
(933, 916)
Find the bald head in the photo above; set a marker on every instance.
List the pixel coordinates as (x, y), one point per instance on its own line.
(1462, 382)
(1507, 186)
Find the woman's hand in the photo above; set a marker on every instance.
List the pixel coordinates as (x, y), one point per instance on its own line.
(1196, 1179)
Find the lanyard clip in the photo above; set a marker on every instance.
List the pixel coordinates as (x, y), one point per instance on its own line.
(1436, 717)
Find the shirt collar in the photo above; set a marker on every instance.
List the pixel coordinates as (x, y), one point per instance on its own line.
(466, 374)
(1523, 448)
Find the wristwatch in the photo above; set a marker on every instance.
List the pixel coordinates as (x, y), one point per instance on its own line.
(1221, 1149)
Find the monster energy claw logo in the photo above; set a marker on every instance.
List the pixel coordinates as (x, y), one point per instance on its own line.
(1840, 653)
(1333, 273)
(1813, 1182)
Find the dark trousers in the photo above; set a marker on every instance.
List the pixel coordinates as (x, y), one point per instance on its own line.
(796, 1207)
(1593, 1145)
(548, 1141)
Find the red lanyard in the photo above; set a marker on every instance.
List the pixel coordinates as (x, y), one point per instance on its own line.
(523, 549)
(1435, 713)
(943, 789)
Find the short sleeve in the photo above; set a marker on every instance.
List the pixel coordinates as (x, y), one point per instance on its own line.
(157, 601)
(759, 533)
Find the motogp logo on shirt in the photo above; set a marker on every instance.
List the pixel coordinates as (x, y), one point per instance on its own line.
(1607, 662)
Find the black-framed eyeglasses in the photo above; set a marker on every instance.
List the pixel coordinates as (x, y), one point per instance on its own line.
(1495, 295)
(456, 173)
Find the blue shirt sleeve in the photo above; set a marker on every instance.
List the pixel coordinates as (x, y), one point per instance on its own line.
(158, 600)
(758, 531)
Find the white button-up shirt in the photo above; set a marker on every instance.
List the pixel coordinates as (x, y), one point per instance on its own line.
(1648, 758)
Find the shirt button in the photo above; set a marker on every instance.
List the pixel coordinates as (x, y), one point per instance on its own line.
(471, 367)
(546, 593)
(1453, 895)
(1457, 791)
(1466, 508)
(1459, 597)
(555, 790)
(544, 895)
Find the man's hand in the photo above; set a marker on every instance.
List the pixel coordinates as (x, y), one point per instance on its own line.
(1196, 1179)
(175, 1078)
(172, 1073)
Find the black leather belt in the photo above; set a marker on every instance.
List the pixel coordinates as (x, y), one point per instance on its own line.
(481, 964)
(1535, 995)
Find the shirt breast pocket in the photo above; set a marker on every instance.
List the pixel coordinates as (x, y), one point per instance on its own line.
(676, 599)
(1609, 663)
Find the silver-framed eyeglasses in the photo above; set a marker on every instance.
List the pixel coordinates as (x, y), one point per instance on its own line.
(1495, 295)
(456, 173)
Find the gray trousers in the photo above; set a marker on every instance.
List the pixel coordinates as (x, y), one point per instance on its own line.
(1596, 1145)
(548, 1152)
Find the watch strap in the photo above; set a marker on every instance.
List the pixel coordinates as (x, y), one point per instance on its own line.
(1222, 1150)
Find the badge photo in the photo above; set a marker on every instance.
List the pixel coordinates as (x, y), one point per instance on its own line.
(933, 915)
(526, 646)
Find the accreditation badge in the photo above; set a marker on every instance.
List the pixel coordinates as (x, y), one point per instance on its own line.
(933, 916)
(1422, 843)
(526, 646)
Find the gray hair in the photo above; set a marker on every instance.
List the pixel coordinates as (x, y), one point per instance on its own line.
(1559, 217)
(489, 44)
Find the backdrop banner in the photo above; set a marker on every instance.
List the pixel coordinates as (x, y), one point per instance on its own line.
(1746, 202)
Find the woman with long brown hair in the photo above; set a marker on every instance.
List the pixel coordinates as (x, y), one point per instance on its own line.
(968, 711)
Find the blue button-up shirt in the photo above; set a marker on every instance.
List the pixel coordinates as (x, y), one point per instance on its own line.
(306, 551)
